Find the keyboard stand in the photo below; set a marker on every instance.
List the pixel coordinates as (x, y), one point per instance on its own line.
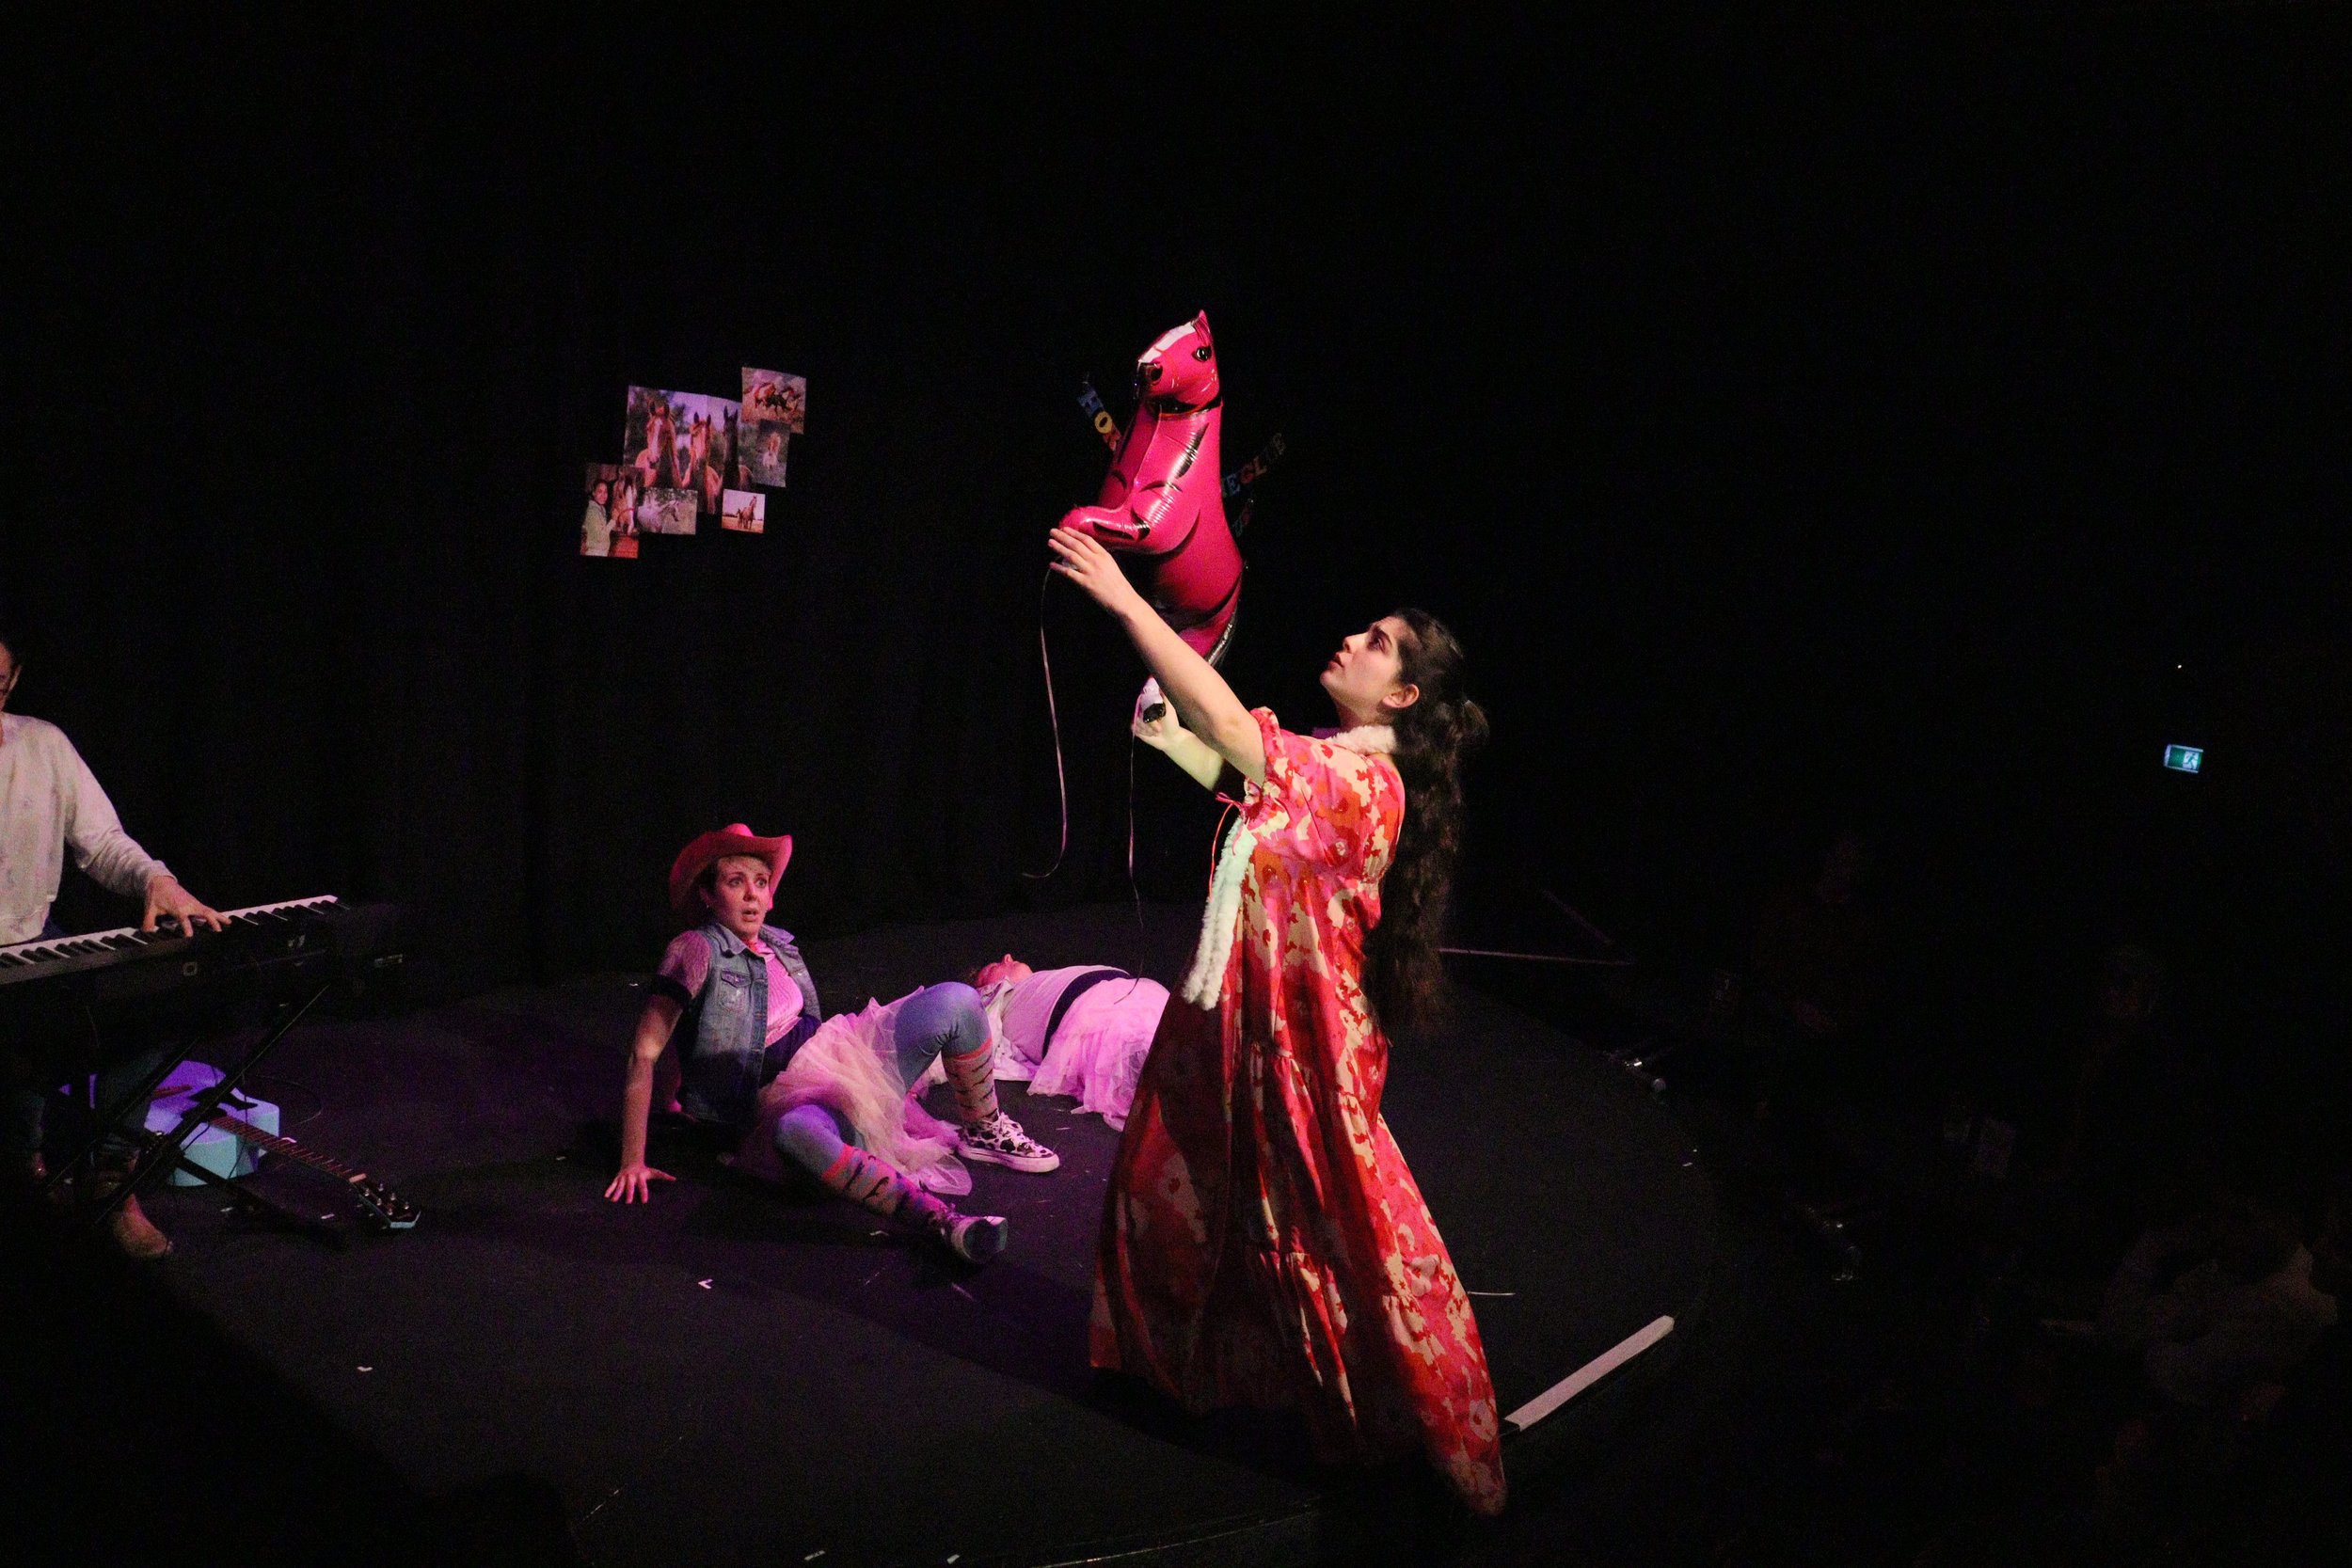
(162, 1152)
(84, 1071)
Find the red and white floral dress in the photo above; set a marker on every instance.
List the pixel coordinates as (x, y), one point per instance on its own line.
(1263, 1242)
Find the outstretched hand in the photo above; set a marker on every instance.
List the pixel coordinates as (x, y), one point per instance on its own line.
(1193, 685)
(1086, 563)
(634, 1184)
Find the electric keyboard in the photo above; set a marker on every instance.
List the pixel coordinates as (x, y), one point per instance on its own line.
(43, 961)
(129, 975)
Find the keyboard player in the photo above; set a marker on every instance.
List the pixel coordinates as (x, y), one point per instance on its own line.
(50, 803)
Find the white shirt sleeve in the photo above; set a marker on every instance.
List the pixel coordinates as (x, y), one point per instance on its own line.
(112, 857)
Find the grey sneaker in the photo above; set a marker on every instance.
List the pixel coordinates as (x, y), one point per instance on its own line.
(999, 1140)
(976, 1238)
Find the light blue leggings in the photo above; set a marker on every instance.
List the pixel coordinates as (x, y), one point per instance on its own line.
(944, 1018)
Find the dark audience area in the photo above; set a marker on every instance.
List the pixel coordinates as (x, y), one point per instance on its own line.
(2075, 1204)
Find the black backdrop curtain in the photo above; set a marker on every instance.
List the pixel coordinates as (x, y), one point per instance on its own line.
(1797, 424)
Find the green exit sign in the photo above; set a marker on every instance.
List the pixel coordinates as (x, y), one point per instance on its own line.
(2184, 759)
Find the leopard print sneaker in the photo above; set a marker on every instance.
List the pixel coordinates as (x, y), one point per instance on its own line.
(1000, 1141)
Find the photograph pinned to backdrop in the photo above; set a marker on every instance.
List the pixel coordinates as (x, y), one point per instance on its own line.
(649, 438)
(712, 440)
(775, 408)
(745, 512)
(607, 527)
(681, 441)
(772, 397)
(760, 453)
(664, 510)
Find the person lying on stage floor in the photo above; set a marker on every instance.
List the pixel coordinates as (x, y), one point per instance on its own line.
(1262, 1243)
(50, 803)
(1082, 1031)
(829, 1098)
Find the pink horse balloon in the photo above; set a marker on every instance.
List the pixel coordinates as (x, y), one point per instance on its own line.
(1165, 497)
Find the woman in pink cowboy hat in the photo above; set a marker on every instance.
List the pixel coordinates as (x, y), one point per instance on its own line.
(825, 1096)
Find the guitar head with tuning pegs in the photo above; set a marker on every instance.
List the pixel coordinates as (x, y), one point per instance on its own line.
(384, 1209)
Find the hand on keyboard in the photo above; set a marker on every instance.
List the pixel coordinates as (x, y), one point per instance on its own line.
(168, 900)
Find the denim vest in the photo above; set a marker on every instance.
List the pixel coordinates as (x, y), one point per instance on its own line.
(727, 1063)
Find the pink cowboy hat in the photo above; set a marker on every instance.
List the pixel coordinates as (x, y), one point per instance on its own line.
(733, 839)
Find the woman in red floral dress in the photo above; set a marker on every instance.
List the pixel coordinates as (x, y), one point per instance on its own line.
(1263, 1242)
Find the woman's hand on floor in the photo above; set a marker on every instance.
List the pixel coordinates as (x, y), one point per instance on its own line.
(634, 1184)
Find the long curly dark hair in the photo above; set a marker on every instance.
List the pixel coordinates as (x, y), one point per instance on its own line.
(1404, 975)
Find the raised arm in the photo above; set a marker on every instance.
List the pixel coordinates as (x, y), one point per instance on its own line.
(1184, 748)
(1203, 703)
(635, 1183)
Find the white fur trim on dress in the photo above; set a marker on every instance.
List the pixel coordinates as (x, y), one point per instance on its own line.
(1370, 740)
(1220, 918)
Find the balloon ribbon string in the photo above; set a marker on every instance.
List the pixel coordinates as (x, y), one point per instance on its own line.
(1053, 715)
(1133, 890)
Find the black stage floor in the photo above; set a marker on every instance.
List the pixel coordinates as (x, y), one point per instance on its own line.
(730, 1375)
